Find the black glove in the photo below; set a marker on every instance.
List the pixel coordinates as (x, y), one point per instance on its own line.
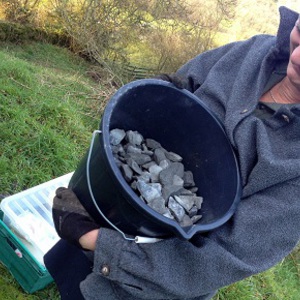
(71, 220)
(179, 82)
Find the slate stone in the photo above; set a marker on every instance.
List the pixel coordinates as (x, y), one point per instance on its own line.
(188, 179)
(193, 211)
(164, 163)
(166, 175)
(159, 155)
(193, 189)
(121, 158)
(196, 218)
(134, 166)
(176, 209)
(158, 204)
(149, 164)
(170, 190)
(118, 162)
(145, 176)
(140, 159)
(198, 201)
(132, 149)
(134, 137)
(127, 172)
(116, 136)
(168, 214)
(152, 144)
(149, 191)
(157, 176)
(154, 171)
(177, 180)
(186, 202)
(116, 148)
(142, 199)
(173, 156)
(146, 150)
(186, 192)
(186, 221)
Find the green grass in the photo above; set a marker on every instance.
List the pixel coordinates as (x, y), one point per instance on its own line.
(282, 282)
(47, 116)
(48, 110)
(44, 103)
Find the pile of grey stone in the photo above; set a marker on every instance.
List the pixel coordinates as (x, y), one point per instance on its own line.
(157, 176)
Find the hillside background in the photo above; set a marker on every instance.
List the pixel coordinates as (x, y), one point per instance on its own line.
(60, 62)
(158, 35)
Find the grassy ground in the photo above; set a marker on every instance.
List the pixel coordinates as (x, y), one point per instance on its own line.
(281, 282)
(48, 110)
(44, 120)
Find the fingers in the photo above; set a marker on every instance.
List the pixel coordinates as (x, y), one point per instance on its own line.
(178, 81)
(70, 218)
(66, 200)
(59, 192)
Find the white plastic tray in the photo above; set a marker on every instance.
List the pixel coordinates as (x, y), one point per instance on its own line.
(29, 215)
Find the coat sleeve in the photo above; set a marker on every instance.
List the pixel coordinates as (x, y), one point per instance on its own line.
(265, 229)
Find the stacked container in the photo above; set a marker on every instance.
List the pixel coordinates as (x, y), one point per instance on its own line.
(27, 233)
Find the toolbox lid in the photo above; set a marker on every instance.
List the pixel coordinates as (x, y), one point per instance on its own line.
(29, 214)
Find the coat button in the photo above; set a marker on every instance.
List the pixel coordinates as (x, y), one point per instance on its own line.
(286, 118)
(244, 111)
(105, 270)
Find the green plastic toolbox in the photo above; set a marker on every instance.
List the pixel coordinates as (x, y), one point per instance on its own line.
(27, 233)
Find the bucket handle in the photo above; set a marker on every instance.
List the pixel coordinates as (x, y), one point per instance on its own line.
(137, 239)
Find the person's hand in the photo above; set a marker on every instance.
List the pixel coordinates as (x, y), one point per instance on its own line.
(71, 220)
(179, 82)
(88, 240)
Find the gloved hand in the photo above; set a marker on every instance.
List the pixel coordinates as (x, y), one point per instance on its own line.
(71, 220)
(179, 82)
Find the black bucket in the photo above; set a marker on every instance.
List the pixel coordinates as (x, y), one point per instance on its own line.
(182, 124)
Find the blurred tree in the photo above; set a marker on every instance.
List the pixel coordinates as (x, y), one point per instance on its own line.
(253, 18)
(99, 26)
(158, 34)
(173, 31)
(187, 29)
(21, 11)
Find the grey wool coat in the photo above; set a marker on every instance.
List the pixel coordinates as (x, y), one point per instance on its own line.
(266, 226)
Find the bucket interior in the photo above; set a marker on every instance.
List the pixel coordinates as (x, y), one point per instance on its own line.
(182, 124)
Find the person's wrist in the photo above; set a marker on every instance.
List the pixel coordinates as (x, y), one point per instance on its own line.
(88, 240)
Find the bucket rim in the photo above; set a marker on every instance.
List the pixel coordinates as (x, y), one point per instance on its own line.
(182, 232)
